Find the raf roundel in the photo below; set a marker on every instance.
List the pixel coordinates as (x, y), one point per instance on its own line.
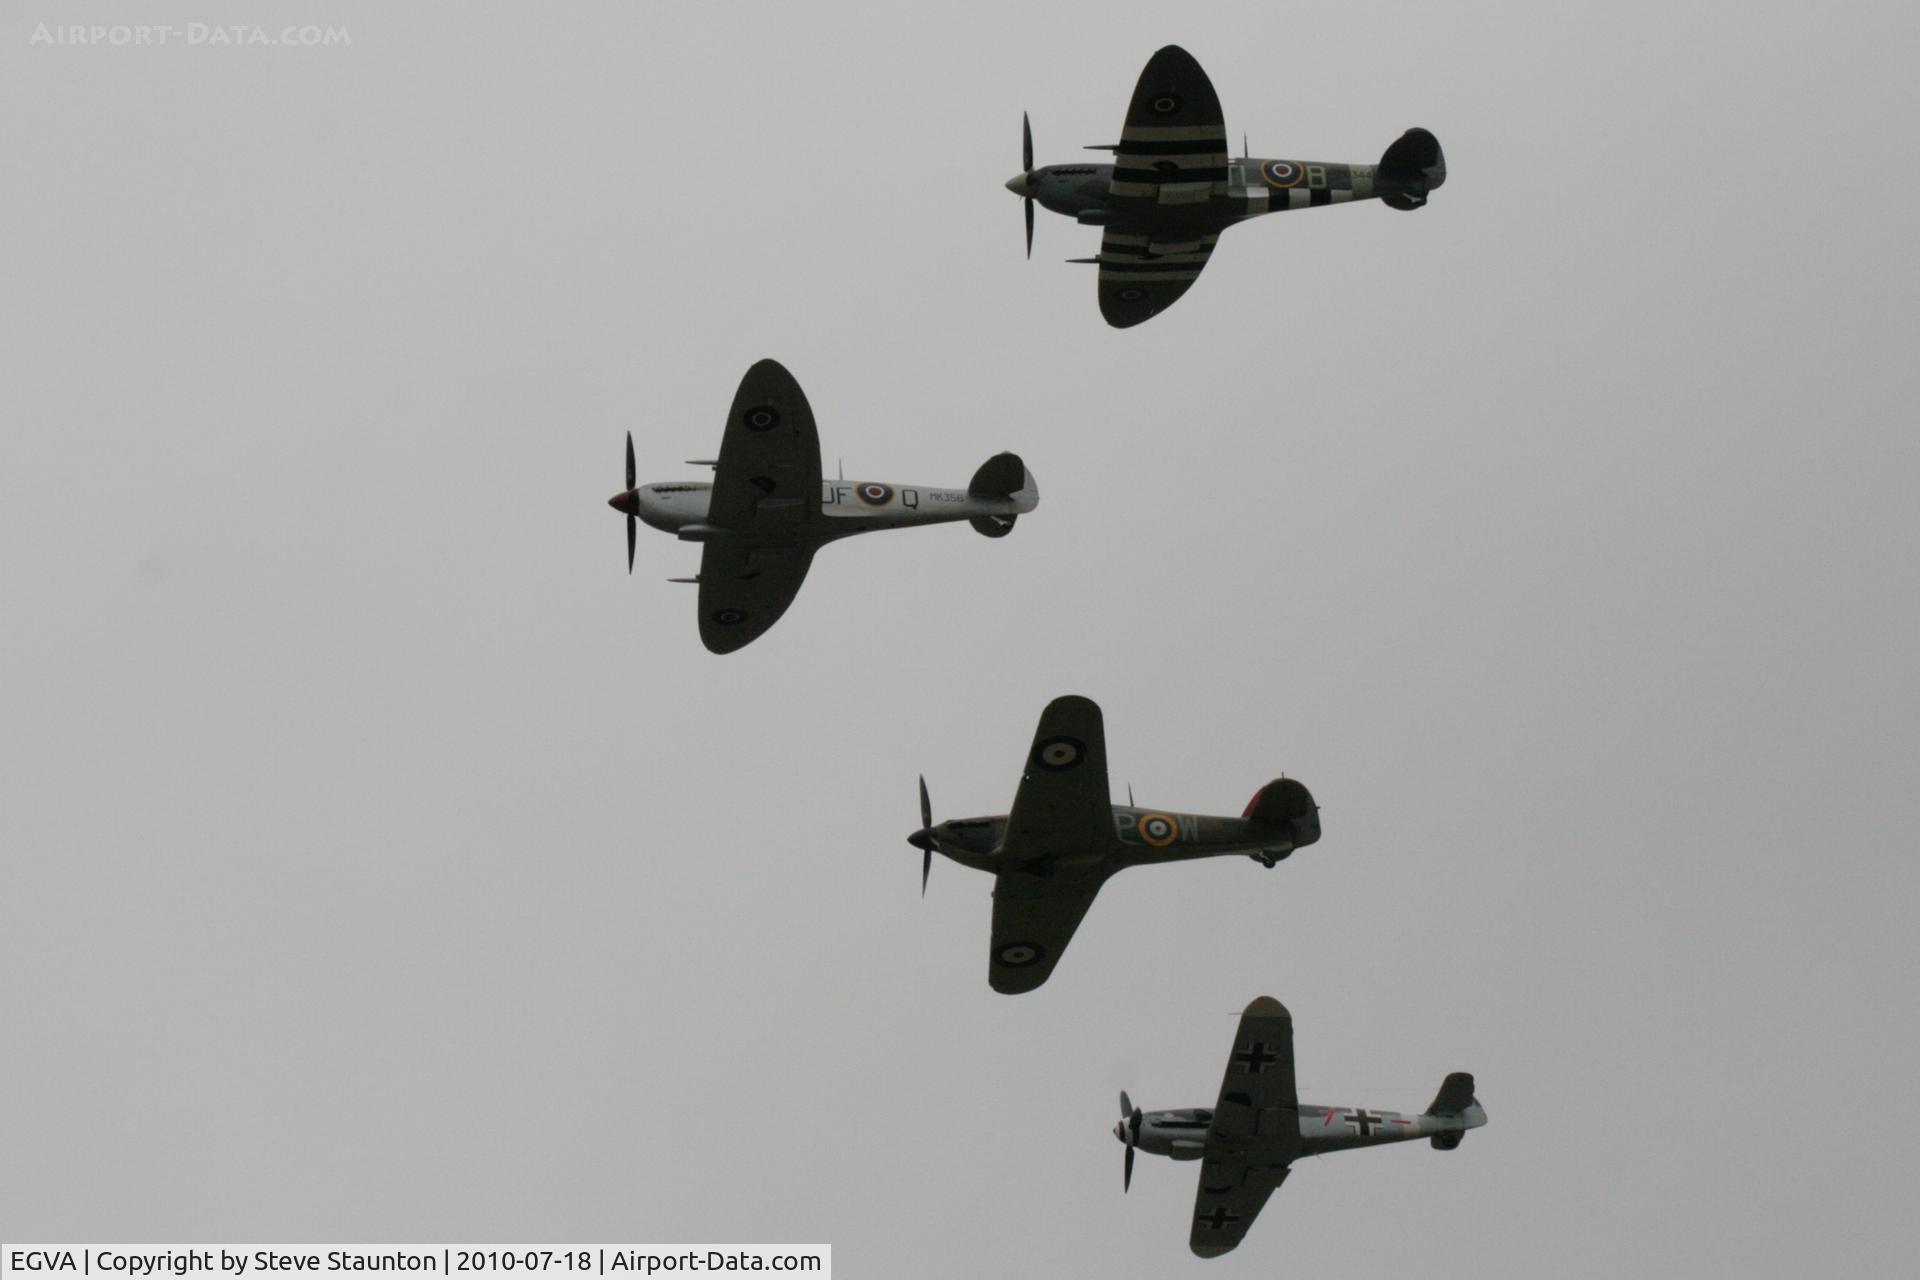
(1165, 104)
(875, 495)
(1018, 955)
(762, 417)
(1132, 295)
(1056, 755)
(1158, 829)
(1281, 173)
(729, 617)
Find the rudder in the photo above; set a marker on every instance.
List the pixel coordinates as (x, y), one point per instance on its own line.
(1455, 1096)
(1002, 476)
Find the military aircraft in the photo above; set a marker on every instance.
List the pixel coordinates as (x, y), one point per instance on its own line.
(1247, 1142)
(1064, 838)
(1172, 189)
(768, 510)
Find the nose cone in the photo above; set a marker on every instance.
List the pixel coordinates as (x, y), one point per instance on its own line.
(628, 503)
(922, 839)
(1120, 1130)
(1019, 184)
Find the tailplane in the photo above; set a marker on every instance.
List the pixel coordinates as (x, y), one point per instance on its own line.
(1410, 170)
(1455, 1101)
(1003, 475)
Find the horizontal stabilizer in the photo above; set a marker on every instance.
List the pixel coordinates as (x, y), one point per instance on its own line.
(992, 526)
(1288, 805)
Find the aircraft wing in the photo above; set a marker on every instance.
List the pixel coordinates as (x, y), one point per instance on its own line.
(1173, 148)
(745, 588)
(1141, 276)
(1255, 1133)
(1033, 920)
(767, 481)
(1063, 806)
(1231, 1197)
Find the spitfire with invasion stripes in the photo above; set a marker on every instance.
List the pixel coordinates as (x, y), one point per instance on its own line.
(1173, 187)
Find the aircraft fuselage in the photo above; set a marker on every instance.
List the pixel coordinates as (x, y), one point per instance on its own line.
(1254, 187)
(847, 507)
(1140, 836)
(1183, 1135)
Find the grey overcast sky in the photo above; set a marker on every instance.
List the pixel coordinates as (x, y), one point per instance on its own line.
(382, 863)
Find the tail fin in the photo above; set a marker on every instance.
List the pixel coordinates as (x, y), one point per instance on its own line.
(1003, 475)
(1455, 1096)
(1410, 169)
(1287, 804)
(1455, 1101)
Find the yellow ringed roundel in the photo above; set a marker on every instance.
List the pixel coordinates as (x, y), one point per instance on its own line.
(1282, 173)
(1158, 829)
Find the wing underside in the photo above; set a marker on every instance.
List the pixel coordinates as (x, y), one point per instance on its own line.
(1142, 275)
(1063, 806)
(1060, 827)
(767, 480)
(744, 589)
(1173, 147)
(766, 493)
(1231, 1196)
(1169, 166)
(1034, 918)
(1255, 1134)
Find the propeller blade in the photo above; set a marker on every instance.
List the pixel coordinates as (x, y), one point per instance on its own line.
(1126, 1106)
(626, 504)
(1026, 167)
(924, 834)
(1126, 1172)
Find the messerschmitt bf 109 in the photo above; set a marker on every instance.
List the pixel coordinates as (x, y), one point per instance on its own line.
(768, 509)
(1065, 836)
(1172, 187)
(1258, 1128)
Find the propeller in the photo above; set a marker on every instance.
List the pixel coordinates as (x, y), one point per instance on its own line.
(923, 838)
(1026, 167)
(1128, 1131)
(628, 503)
